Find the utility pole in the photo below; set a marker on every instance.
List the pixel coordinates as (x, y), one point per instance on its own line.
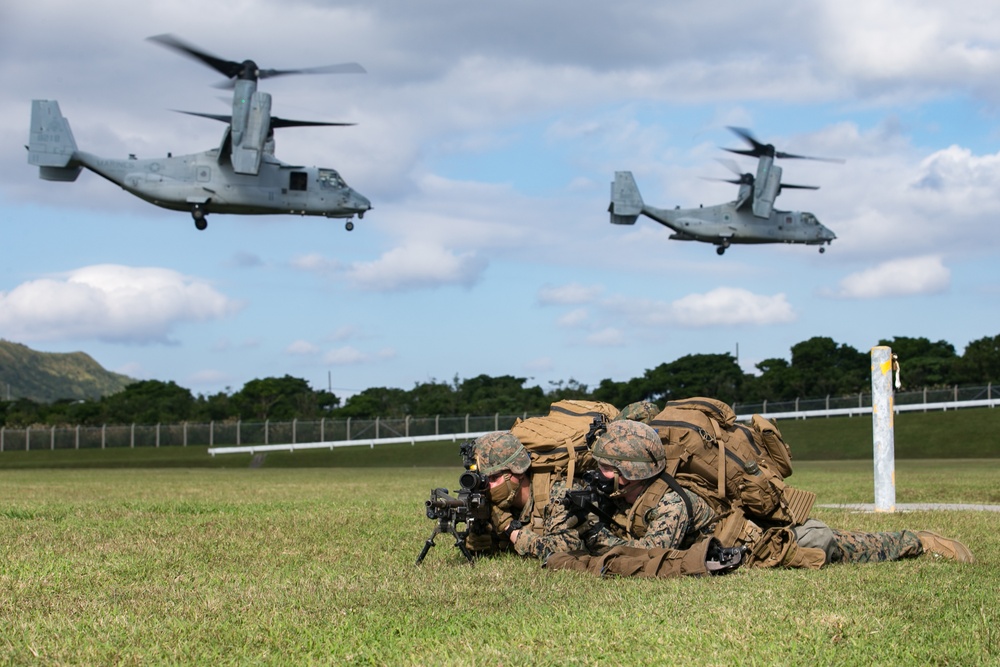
(883, 363)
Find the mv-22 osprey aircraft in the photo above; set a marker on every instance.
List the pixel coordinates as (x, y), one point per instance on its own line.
(242, 176)
(751, 218)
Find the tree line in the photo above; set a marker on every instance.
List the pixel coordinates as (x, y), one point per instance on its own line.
(818, 367)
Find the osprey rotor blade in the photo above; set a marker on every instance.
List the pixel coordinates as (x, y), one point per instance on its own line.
(341, 68)
(275, 121)
(225, 67)
(246, 69)
(758, 149)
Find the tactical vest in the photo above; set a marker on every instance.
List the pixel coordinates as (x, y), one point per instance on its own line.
(637, 518)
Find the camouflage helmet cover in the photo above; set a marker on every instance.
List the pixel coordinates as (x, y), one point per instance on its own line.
(633, 448)
(640, 411)
(499, 451)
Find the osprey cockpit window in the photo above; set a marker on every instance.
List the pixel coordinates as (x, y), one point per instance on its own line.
(298, 180)
(330, 179)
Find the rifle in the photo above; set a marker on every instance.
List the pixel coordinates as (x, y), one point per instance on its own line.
(593, 498)
(471, 508)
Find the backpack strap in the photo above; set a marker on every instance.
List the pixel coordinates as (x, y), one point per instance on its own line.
(636, 518)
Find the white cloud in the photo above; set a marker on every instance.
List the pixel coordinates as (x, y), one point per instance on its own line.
(726, 306)
(415, 266)
(345, 356)
(110, 302)
(302, 348)
(574, 318)
(900, 277)
(315, 263)
(568, 295)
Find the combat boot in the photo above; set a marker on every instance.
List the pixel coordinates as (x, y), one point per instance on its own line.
(944, 547)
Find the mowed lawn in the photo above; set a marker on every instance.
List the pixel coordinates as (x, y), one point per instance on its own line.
(316, 566)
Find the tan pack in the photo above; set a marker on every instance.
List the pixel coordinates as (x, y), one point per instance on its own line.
(557, 443)
(736, 465)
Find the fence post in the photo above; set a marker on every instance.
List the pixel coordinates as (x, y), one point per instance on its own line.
(437, 422)
(157, 434)
(322, 429)
(211, 433)
(52, 440)
(27, 438)
(295, 427)
(376, 427)
(104, 435)
(2, 429)
(466, 422)
(882, 429)
(239, 422)
(406, 427)
(77, 436)
(267, 425)
(132, 437)
(496, 421)
(348, 428)
(184, 437)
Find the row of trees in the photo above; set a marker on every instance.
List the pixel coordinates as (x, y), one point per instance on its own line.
(818, 367)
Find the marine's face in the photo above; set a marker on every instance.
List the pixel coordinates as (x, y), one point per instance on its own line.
(507, 489)
(609, 472)
(499, 478)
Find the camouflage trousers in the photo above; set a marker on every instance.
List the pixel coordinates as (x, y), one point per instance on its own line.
(843, 546)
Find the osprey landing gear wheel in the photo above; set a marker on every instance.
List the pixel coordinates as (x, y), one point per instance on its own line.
(349, 225)
(721, 250)
(198, 213)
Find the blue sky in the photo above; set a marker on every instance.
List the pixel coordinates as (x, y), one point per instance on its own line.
(487, 137)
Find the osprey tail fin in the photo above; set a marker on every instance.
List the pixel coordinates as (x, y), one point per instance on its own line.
(626, 202)
(51, 146)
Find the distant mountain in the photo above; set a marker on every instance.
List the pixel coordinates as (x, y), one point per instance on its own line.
(45, 377)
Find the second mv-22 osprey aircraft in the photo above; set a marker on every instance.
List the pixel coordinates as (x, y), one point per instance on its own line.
(241, 176)
(751, 218)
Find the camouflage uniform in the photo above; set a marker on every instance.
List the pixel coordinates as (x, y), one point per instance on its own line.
(560, 530)
(556, 530)
(635, 451)
(842, 546)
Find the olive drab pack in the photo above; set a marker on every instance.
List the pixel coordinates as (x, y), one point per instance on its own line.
(557, 443)
(736, 467)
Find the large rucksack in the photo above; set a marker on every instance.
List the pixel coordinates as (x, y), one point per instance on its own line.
(557, 443)
(733, 466)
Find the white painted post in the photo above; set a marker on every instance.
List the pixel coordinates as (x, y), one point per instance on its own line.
(882, 430)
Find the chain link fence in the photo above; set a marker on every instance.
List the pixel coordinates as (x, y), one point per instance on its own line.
(240, 433)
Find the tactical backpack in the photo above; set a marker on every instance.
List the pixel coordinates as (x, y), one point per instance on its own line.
(735, 467)
(557, 443)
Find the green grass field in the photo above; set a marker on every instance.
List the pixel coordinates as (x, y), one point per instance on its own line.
(316, 566)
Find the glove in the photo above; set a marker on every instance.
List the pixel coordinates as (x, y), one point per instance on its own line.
(500, 519)
(479, 542)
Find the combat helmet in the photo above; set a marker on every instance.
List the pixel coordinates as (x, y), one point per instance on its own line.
(633, 448)
(499, 451)
(640, 411)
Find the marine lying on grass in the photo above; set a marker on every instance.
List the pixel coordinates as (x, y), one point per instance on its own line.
(641, 521)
